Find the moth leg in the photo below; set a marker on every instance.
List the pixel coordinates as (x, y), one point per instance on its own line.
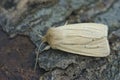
(38, 34)
(66, 23)
(41, 78)
(46, 48)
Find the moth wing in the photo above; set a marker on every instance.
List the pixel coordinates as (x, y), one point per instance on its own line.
(93, 30)
(88, 39)
(98, 48)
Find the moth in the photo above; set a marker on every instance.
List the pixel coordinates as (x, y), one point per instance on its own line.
(88, 39)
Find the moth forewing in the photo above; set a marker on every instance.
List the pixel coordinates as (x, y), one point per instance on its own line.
(89, 39)
(92, 30)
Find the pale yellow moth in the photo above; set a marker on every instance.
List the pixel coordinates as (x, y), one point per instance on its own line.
(88, 39)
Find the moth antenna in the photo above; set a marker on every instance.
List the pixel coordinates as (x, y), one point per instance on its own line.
(37, 54)
(36, 32)
(39, 48)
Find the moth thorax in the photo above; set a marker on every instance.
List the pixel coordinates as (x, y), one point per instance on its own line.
(52, 37)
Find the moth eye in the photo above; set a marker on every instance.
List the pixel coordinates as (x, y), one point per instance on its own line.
(50, 35)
